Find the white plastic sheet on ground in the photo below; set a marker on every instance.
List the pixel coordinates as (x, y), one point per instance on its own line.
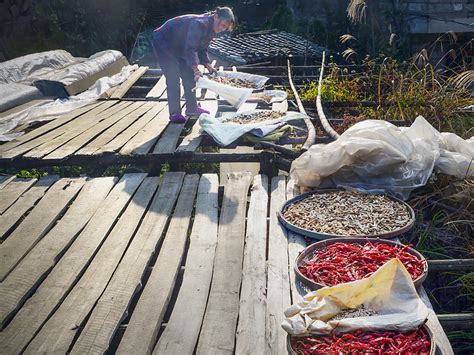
(389, 291)
(51, 109)
(377, 156)
(235, 96)
(274, 95)
(225, 133)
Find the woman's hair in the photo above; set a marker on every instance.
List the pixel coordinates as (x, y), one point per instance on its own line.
(225, 13)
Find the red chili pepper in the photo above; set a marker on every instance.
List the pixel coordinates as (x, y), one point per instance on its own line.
(344, 262)
(361, 342)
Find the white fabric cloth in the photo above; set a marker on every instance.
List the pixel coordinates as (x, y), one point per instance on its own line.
(389, 291)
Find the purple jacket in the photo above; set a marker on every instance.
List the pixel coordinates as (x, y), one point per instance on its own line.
(186, 37)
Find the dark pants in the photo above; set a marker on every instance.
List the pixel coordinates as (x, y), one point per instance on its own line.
(174, 68)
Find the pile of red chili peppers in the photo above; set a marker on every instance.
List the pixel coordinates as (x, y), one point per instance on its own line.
(361, 342)
(344, 262)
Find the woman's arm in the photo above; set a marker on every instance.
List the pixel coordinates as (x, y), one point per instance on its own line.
(192, 44)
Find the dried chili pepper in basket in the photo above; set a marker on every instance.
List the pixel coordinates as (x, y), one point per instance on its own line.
(345, 262)
(363, 342)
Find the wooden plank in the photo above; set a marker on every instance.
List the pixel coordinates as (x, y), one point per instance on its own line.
(75, 129)
(120, 140)
(157, 90)
(37, 223)
(296, 244)
(58, 132)
(192, 141)
(18, 109)
(5, 180)
(252, 314)
(169, 139)
(48, 127)
(278, 283)
(128, 114)
(24, 204)
(197, 276)
(122, 89)
(442, 342)
(144, 140)
(85, 83)
(22, 281)
(220, 319)
(142, 330)
(39, 307)
(58, 333)
(110, 133)
(126, 281)
(12, 192)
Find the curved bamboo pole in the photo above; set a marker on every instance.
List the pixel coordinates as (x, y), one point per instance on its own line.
(311, 131)
(322, 117)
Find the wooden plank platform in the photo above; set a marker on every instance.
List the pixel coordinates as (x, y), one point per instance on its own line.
(146, 264)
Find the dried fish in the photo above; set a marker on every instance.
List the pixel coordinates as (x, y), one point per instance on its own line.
(258, 116)
(348, 213)
(238, 83)
(259, 96)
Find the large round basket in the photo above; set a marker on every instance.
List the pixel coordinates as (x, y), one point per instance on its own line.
(308, 252)
(321, 236)
(428, 331)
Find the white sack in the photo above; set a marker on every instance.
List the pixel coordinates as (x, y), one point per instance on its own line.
(235, 96)
(225, 133)
(389, 291)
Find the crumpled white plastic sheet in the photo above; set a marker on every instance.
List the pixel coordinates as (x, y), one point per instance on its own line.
(235, 96)
(377, 156)
(52, 109)
(225, 133)
(389, 291)
(57, 65)
(14, 94)
(37, 64)
(275, 96)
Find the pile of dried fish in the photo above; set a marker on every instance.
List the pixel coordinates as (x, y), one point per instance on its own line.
(259, 116)
(259, 96)
(238, 83)
(348, 213)
(360, 311)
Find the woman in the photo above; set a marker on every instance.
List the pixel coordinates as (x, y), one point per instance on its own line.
(180, 45)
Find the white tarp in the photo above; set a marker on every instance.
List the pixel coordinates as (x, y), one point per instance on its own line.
(57, 65)
(226, 133)
(37, 64)
(51, 109)
(389, 291)
(377, 156)
(15, 94)
(82, 69)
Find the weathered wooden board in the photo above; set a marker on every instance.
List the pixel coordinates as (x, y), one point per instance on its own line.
(113, 304)
(217, 335)
(197, 276)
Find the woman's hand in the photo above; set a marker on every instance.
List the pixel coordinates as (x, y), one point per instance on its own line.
(210, 68)
(197, 74)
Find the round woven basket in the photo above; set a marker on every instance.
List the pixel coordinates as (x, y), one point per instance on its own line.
(428, 331)
(321, 236)
(309, 251)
